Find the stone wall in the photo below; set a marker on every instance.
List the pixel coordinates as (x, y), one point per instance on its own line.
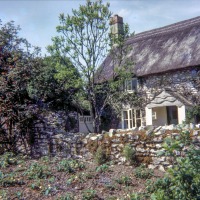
(146, 142)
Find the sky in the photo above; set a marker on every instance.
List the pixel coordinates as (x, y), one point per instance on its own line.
(38, 18)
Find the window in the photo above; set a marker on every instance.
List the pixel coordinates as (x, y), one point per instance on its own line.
(130, 85)
(154, 116)
(131, 118)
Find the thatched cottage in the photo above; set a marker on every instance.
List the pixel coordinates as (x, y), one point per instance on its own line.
(167, 70)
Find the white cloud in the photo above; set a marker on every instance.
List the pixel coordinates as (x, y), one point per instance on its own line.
(38, 19)
(124, 12)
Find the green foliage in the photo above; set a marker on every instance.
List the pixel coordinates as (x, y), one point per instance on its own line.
(137, 196)
(48, 190)
(17, 61)
(49, 85)
(7, 159)
(3, 194)
(84, 39)
(124, 180)
(36, 185)
(129, 153)
(19, 194)
(143, 172)
(38, 171)
(174, 145)
(182, 180)
(69, 166)
(102, 168)
(9, 179)
(88, 194)
(67, 196)
(193, 114)
(100, 156)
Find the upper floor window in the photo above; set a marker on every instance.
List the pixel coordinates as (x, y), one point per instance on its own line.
(130, 84)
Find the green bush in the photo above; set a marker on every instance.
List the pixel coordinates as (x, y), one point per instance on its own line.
(89, 195)
(7, 159)
(102, 168)
(143, 172)
(100, 156)
(129, 154)
(182, 181)
(69, 166)
(38, 171)
(124, 180)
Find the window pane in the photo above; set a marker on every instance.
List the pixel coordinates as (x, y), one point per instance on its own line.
(130, 114)
(137, 113)
(125, 124)
(133, 117)
(131, 123)
(134, 84)
(138, 121)
(125, 115)
(129, 85)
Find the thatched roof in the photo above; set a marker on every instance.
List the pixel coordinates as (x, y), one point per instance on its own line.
(172, 47)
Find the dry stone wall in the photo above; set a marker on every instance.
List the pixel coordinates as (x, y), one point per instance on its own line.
(146, 141)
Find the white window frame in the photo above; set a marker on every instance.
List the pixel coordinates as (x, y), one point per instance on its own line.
(134, 118)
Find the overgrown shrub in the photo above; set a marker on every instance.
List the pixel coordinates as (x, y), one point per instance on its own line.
(129, 154)
(143, 172)
(7, 159)
(182, 181)
(100, 156)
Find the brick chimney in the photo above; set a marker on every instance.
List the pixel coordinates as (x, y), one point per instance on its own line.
(116, 25)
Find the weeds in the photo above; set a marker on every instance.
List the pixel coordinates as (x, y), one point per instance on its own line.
(3, 194)
(7, 159)
(125, 180)
(67, 196)
(102, 168)
(100, 156)
(69, 166)
(143, 172)
(9, 179)
(38, 171)
(89, 194)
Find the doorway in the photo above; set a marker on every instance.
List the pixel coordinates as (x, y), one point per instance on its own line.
(172, 115)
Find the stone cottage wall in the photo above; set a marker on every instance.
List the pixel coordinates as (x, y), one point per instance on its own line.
(183, 81)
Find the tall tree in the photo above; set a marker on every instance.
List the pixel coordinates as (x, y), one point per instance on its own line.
(85, 38)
